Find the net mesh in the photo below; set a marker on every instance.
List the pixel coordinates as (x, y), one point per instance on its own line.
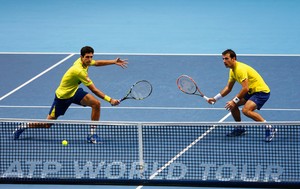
(172, 153)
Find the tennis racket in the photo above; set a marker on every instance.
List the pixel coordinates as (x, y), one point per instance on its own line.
(139, 91)
(187, 85)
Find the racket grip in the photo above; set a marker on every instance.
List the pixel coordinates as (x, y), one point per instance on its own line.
(206, 98)
(120, 100)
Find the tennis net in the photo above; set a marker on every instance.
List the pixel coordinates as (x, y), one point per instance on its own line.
(194, 154)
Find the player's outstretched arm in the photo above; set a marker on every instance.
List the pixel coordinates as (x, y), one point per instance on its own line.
(117, 61)
(105, 97)
(227, 89)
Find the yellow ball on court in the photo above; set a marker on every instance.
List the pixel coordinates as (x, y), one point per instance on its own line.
(64, 142)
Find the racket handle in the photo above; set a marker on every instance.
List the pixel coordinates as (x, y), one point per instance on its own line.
(206, 98)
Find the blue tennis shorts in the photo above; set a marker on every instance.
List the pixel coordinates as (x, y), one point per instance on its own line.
(259, 98)
(60, 106)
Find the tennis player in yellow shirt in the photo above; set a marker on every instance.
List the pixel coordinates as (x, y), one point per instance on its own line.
(253, 95)
(69, 92)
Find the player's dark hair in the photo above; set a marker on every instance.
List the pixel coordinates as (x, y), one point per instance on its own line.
(230, 52)
(85, 50)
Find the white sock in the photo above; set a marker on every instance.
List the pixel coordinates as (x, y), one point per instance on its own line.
(93, 129)
(24, 125)
(267, 126)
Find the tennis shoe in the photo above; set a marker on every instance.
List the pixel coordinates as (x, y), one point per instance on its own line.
(19, 130)
(237, 132)
(270, 134)
(93, 139)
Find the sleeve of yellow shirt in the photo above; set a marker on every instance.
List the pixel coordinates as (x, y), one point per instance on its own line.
(93, 63)
(241, 75)
(84, 78)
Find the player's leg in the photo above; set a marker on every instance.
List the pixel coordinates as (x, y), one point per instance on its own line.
(235, 112)
(23, 126)
(91, 101)
(42, 125)
(58, 108)
(249, 111)
(85, 99)
(255, 102)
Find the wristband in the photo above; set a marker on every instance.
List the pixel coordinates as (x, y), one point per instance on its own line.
(218, 97)
(236, 99)
(107, 98)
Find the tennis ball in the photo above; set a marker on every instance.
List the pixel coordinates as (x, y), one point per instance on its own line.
(64, 142)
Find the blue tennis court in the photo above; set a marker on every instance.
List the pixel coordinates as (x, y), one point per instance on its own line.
(28, 100)
(41, 40)
(30, 94)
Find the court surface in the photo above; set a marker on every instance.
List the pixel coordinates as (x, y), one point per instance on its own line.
(161, 40)
(31, 93)
(30, 81)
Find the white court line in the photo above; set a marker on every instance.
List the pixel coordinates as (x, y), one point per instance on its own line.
(147, 108)
(37, 76)
(185, 149)
(151, 54)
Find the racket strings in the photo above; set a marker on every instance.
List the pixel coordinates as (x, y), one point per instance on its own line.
(187, 85)
(141, 90)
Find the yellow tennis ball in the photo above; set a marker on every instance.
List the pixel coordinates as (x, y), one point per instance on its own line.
(64, 142)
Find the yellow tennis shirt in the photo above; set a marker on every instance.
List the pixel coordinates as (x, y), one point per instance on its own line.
(71, 80)
(242, 71)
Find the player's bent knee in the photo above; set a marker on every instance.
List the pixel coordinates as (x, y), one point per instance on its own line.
(96, 104)
(246, 112)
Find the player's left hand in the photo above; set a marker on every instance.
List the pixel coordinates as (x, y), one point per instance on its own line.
(122, 63)
(229, 105)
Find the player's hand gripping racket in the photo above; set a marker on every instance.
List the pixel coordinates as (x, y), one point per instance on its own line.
(187, 85)
(139, 91)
